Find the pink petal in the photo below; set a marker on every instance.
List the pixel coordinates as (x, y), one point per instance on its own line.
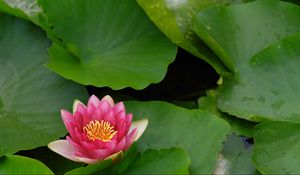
(78, 134)
(130, 138)
(110, 117)
(63, 148)
(82, 109)
(104, 106)
(93, 100)
(98, 144)
(78, 119)
(141, 125)
(66, 116)
(128, 120)
(109, 100)
(99, 154)
(120, 118)
(121, 132)
(88, 145)
(75, 105)
(68, 120)
(98, 114)
(119, 107)
(110, 146)
(120, 145)
(78, 148)
(90, 114)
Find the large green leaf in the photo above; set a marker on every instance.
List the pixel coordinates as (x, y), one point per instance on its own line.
(13, 164)
(107, 43)
(199, 133)
(174, 18)
(269, 87)
(236, 33)
(165, 161)
(30, 95)
(277, 148)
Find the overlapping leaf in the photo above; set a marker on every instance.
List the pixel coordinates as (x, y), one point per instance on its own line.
(30, 95)
(236, 33)
(106, 43)
(264, 87)
(174, 18)
(277, 148)
(199, 133)
(238, 126)
(269, 87)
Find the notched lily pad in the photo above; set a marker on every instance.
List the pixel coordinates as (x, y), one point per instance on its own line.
(106, 43)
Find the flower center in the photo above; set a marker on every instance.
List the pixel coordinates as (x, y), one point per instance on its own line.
(102, 130)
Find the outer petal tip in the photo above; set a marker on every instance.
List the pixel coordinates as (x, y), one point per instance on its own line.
(63, 148)
(87, 160)
(109, 100)
(75, 104)
(66, 116)
(114, 156)
(93, 100)
(141, 125)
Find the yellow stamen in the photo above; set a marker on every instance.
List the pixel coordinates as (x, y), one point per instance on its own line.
(102, 130)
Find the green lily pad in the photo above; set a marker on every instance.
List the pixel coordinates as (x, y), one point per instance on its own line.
(165, 161)
(31, 96)
(174, 19)
(277, 148)
(13, 164)
(238, 126)
(113, 43)
(236, 33)
(268, 88)
(199, 133)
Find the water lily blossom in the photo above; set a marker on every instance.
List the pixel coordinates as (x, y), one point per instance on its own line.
(101, 130)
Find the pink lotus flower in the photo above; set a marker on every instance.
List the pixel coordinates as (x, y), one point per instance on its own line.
(101, 130)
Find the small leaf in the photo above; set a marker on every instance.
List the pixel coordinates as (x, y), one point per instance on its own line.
(13, 164)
